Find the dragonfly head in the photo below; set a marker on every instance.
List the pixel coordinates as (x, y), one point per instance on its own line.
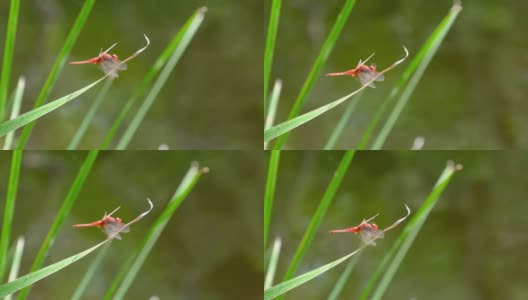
(114, 56)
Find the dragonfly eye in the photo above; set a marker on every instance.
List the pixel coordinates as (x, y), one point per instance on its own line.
(114, 56)
(118, 220)
(374, 226)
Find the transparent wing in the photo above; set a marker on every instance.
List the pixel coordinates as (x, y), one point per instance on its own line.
(112, 227)
(109, 64)
(369, 234)
(366, 75)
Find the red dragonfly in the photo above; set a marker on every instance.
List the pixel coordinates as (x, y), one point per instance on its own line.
(368, 232)
(106, 62)
(113, 226)
(364, 72)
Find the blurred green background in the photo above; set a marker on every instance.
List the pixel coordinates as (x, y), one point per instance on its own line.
(211, 248)
(212, 100)
(472, 95)
(471, 246)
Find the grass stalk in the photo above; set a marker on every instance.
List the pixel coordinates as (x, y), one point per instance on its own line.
(17, 103)
(58, 65)
(128, 273)
(427, 49)
(88, 118)
(61, 216)
(88, 275)
(317, 218)
(271, 182)
(431, 47)
(273, 261)
(9, 210)
(318, 65)
(398, 250)
(9, 49)
(343, 121)
(271, 39)
(17, 259)
(273, 105)
(184, 36)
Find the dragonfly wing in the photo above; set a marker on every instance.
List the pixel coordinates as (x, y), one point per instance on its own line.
(380, 77)
(111, 228)
(365, 77)
(110, 65)
(368, 235)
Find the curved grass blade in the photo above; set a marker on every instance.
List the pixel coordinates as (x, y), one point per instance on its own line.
(271, 181)
(318, 65)
(291, 124)
(272, 110)
(17, 102)
(406, 238)
(74, 143)
(338, 130)
(131, 269)
(431, 46)
(340, 284)
(12, 187)
(273, 261)
(427, 50)
(152, 72)
(27, 280)
(17, 259)
(58, 65)
(280, 289)
(271, 37)
(186, 35)
(9, 49)
(39, 112)
(61, 216)
(317, 218)
(88, 275)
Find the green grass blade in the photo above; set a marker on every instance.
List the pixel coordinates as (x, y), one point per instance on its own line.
(88, 275)
(17, 259)
(430, 48)
(61, 216)
(27, 280)
(57, 67)
(406, 238)
(340, 284)
(317, 218)
(132, 270)
(17, 103)
(152, 72)
(271, 181)
(318, 65)
(285, 127)
(271, 38)
(74, 143)
(40, 111)
(274, 103)
(291, 124)
(9, 49)
(273, 261)
(343, 121)
(434, 39)
(12, 187)
(288, 285)
(184, 36)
